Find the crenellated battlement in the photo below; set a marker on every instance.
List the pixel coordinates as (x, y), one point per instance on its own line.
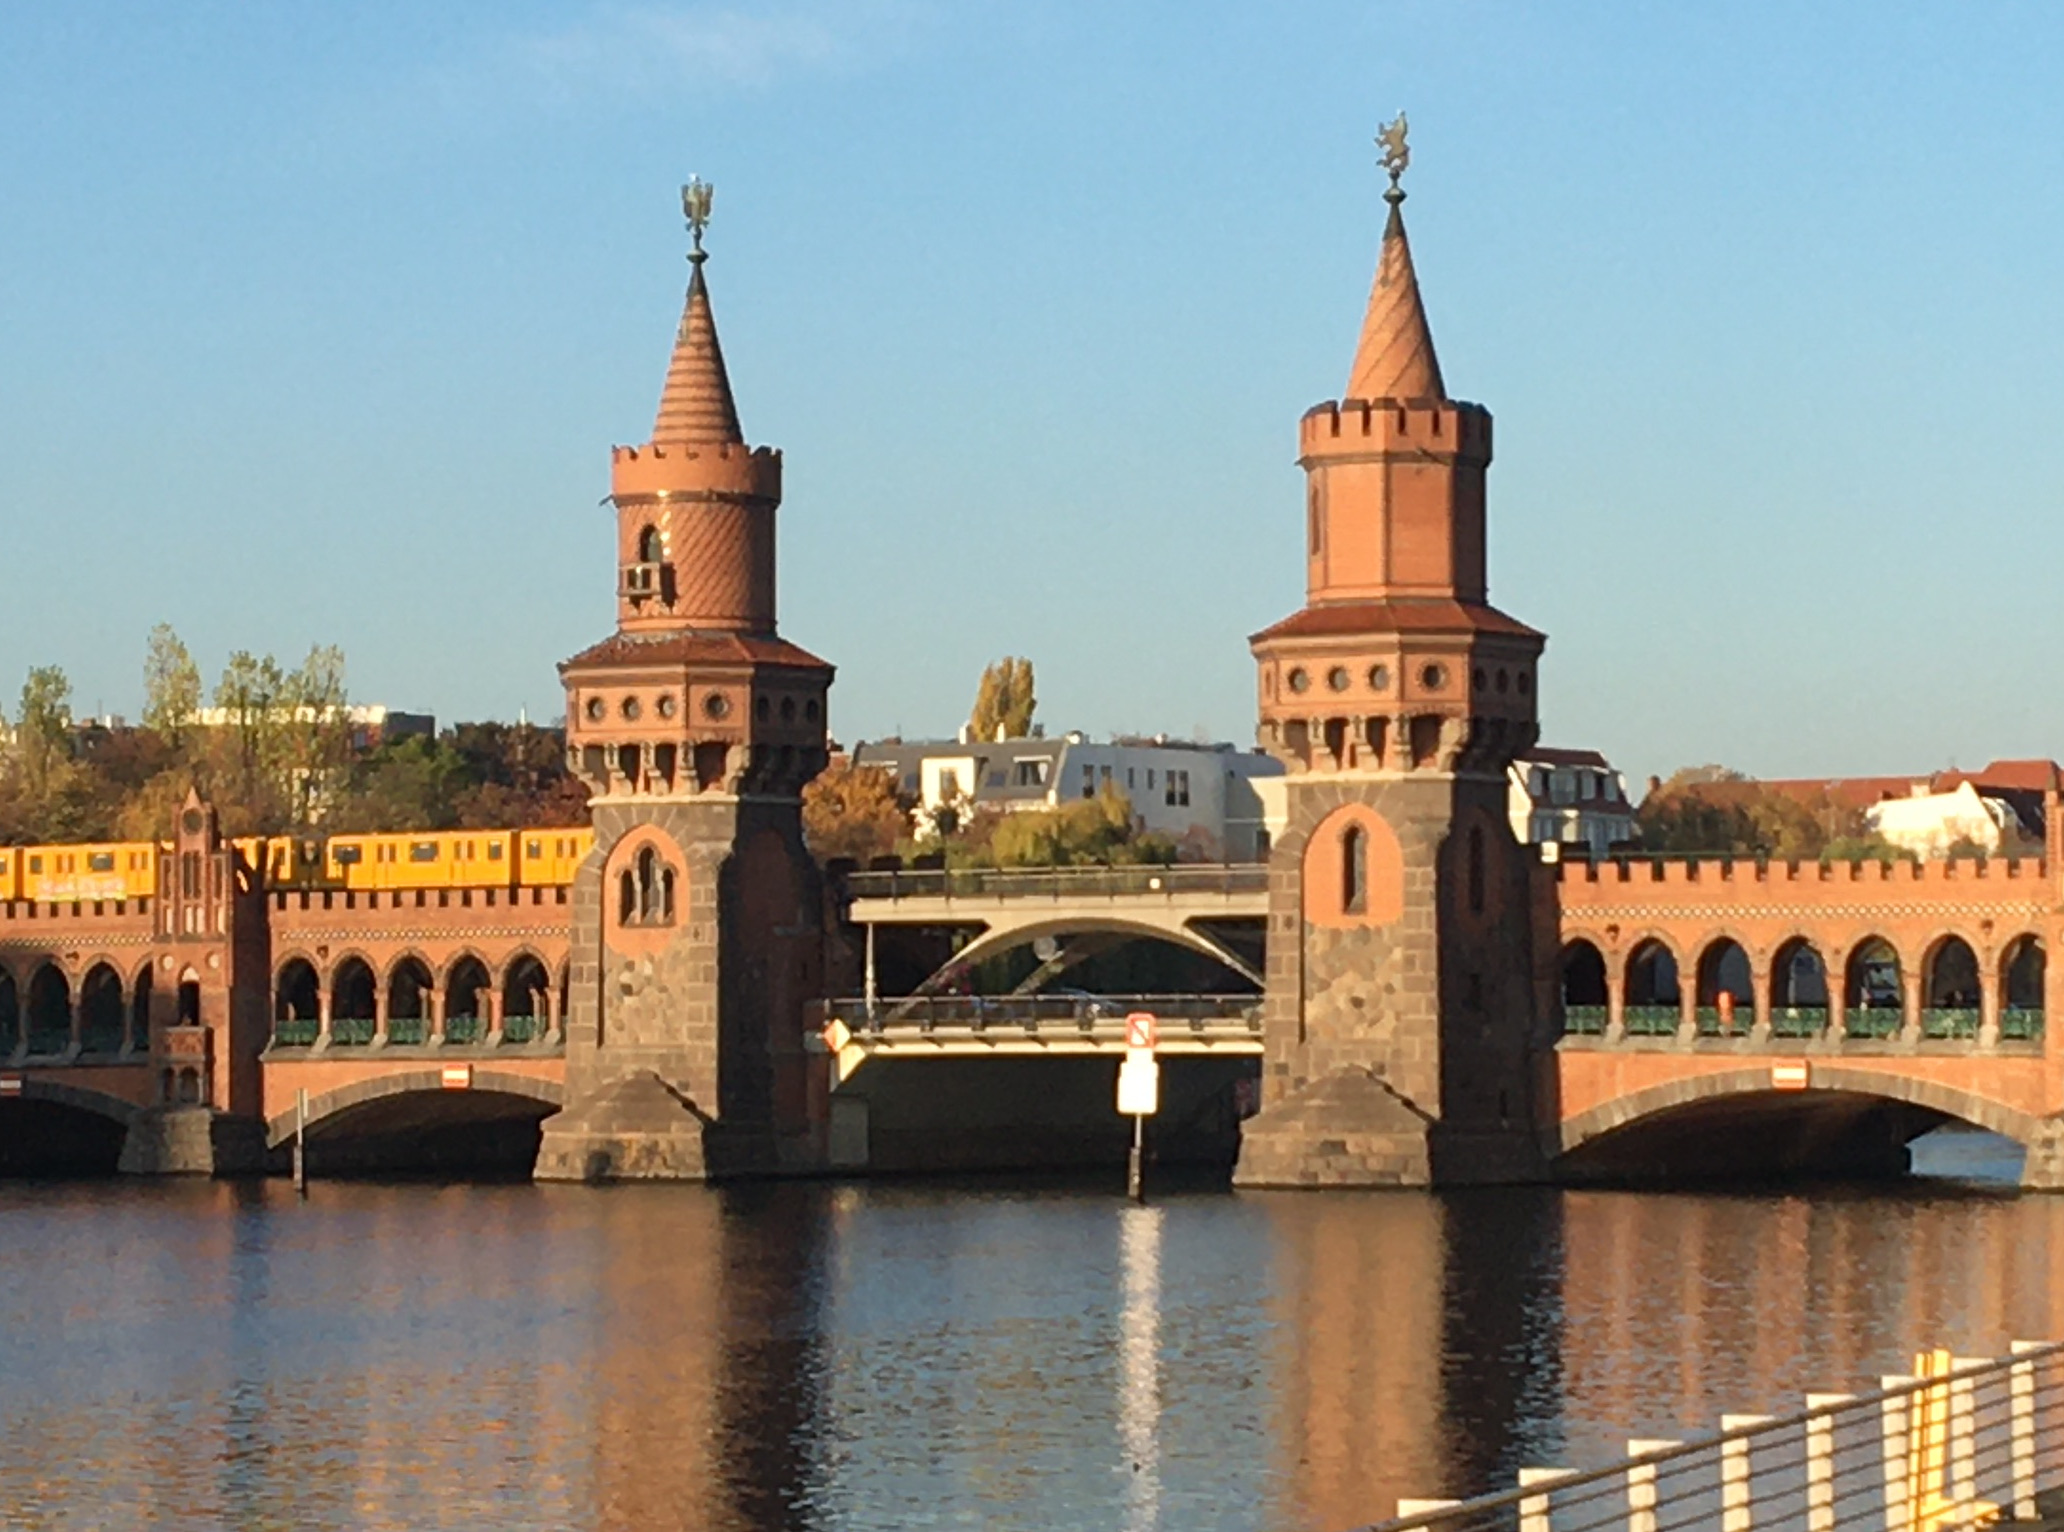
(21, 918)
(723, 470)
(1743, 879)
(1395, 425)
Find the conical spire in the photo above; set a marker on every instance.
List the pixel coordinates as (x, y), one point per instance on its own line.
(1395, 359)
(695, 408)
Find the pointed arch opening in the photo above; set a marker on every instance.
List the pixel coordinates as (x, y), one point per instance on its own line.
(1726, 992)
(466, 990)
(1584, 1000)
(409, 987)
(1873, 993)
(2024, 969)
(353, 1002)
(296, 1004)
(101, 1012)
(49, 1011)
(1798, 990)
(140, 1009)
(1655, 1001)
(10, 1016)
(1950, 990)
(525, 986)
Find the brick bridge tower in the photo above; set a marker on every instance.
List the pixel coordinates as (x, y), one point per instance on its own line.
(1399, 1005)
(696, 920)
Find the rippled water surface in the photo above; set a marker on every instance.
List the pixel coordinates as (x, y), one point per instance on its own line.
(890, 1356)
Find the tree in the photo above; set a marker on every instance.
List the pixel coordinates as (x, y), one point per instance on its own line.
(854, 811)
(1715, 811)
(315, 732)
(250, 695)
(1083, 831)
(171, 686)
(1004, 701)
(43, 736)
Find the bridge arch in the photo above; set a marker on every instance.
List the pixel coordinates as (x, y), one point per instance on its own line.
(2023, 969)
(101, 1009)
(1874, 987)
(47, 1016)
(1735, 1122)
(333, 1104)
(1724, 968)
(49, 1128)
(354, 999)
(1000, 939)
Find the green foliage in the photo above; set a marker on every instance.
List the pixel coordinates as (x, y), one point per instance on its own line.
(171, 686)
(1083, 831)
(282, 760)
(1004, 701)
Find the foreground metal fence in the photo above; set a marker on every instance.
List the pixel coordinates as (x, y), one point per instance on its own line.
(1962, 1442)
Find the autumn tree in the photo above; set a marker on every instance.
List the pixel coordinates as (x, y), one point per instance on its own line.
(1082, 831)
(854, 811)
(1004, 701)
(1715, 811)
(171, 687)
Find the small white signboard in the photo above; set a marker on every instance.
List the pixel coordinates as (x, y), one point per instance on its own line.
(1139, 1085)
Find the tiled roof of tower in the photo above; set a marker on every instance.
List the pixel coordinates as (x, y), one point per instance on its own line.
(695, 407)
(1407, 614)
(694, 648)
(1395, 359)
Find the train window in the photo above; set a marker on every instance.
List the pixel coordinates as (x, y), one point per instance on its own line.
(494, 851)
(347, 856)
(422, 851)
(531, 849)
(100, 861)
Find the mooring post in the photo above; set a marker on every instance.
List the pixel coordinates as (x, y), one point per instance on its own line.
(1135, 1182)
(300, 1142)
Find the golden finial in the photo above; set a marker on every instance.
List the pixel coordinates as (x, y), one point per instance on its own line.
(696, 197)
(1390, 138)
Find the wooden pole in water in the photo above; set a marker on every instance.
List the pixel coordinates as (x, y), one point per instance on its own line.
(301, 1142)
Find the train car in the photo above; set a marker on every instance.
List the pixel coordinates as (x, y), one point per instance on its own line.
(429, 859)
(549, 858)
(77, 874)
(295, 862)
(10, 872)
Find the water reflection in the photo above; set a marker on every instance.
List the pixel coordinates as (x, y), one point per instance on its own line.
(203, 1355)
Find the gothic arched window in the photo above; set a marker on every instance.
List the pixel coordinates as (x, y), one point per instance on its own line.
(649, 549)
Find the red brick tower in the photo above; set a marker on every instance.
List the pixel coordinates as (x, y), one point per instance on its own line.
(1399, 1007)
(696, 919)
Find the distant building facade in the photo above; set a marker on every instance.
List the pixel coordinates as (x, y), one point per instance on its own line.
(1571, 798)
(1202, 796)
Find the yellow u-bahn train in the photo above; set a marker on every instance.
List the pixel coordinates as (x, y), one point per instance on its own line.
(528, 858)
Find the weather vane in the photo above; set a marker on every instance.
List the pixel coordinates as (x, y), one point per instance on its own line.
(696, 197)
(1390, 138)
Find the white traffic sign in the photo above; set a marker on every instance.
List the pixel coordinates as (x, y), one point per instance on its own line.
(1139, 1085)
(1142, 1030)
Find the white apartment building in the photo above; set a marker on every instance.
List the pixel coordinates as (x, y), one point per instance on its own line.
(1571, 798)
(1202, 796)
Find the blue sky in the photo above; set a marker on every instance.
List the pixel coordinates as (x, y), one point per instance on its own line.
(319, 321)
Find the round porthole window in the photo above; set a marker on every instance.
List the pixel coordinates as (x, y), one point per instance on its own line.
(759, 708)
(1476, 678)
(1526, 683)
(1339, 679)
(1379, 678)
(788, 710)
(810, 710)
(716, 705)
(1298, 679)
(191, 822)
(665, 705)
(596, 708)
(1504, 680)
(631, 708)
(1433, 677)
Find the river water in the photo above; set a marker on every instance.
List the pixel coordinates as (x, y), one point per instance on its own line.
(899, 1355)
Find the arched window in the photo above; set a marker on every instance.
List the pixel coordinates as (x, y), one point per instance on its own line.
(1476, 870)
(1354, 870)
(666, 895)
(649, 550)
(626, 898)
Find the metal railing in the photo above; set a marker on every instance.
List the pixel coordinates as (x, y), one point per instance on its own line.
(1798, 1020)
(1059, 882)
(459, 1031)
(1959, 1443)
(1950, 1021)
(1875, 1021)
(1032, 1013)
(1586, 1020)
(2021, 1023)
(1651, 1020)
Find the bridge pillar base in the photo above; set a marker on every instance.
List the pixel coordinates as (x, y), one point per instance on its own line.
(2043, 1168)
(1347, 1129)
(641, 1129)
(193, 1141)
